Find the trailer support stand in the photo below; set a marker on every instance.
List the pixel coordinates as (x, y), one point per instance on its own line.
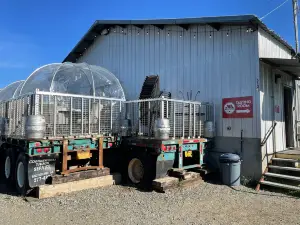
(100, 148)
(65, 157)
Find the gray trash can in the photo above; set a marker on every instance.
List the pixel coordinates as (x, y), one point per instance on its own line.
(230, 165)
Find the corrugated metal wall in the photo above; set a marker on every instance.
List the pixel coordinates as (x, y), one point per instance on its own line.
(271, 93)
(270, 47)
(271, 96)
(219, 64)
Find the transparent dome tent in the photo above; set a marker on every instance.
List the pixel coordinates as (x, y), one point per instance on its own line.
(78, 79)
(11, 91)
(74, 99)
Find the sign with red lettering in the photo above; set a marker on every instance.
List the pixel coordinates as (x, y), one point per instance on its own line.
(240, 107)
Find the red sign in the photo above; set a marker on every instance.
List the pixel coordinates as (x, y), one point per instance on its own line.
(240, 107)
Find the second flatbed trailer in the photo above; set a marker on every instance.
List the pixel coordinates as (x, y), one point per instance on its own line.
(149, 158)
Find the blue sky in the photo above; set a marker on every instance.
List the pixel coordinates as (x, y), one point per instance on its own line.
(35, 32)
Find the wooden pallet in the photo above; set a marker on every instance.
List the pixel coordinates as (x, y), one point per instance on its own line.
(46, 191)
(59, 179)
(176, 178)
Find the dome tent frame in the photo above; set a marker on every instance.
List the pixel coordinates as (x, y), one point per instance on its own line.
(11, 91)
(92, 76)
(66, 114)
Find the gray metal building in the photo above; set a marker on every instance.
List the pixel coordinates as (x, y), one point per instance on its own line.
(216, 57)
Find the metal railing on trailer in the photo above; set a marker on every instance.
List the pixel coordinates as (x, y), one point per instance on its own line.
(65, 114)
(186, 117)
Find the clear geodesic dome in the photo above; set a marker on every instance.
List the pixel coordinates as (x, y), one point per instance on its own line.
(11, 91)
(73, 78)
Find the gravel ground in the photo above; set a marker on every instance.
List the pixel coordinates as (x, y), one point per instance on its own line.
(198, 204)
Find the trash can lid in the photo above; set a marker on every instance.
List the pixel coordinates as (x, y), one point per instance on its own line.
(229, 157)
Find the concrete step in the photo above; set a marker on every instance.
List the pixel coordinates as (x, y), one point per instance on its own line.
(289, 154)
(276, 175)
(285, 168)
(285, 160)
(273, 184)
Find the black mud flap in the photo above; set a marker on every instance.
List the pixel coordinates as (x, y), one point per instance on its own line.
(162, 168)
(40, 170)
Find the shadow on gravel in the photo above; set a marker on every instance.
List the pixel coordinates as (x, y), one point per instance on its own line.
(287, 194)
(7, 190)
(10, 190)
(214, 178)
(140, 188)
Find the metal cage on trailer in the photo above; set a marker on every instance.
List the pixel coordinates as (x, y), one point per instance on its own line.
(153, 150)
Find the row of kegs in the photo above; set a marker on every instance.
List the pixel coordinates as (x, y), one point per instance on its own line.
(33, 127)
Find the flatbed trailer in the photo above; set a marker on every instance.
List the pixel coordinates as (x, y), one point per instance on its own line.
(152, 158)
(147, 156)
(28, 164)
(77, 130)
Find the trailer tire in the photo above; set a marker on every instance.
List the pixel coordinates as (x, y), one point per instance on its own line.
(2, 164)
(8, 166)
(21, 174)
(141, 169)
(136, 170)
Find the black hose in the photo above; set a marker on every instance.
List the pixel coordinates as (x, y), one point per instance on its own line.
(242, 144)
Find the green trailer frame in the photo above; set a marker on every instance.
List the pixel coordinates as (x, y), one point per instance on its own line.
(167, 154)
(48, 158)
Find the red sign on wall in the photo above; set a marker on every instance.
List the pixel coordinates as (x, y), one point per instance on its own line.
(240, 107)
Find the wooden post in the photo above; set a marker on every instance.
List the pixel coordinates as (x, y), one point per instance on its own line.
(100, 148)
(65, 157)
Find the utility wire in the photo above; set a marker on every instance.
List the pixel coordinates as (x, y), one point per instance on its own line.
(274, 10)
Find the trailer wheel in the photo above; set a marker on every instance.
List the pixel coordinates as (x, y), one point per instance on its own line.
(22, 174)
(136, 170)
(141, 169)
(9, 166)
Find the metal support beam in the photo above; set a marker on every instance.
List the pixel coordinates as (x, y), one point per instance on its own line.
(290, 68)
(216, 26)
(138, 26)
(159, 26)
(93, 34)
(122, 25)
(184, 26)
(253, 26)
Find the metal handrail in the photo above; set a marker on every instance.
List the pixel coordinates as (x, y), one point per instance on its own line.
(268, 134)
